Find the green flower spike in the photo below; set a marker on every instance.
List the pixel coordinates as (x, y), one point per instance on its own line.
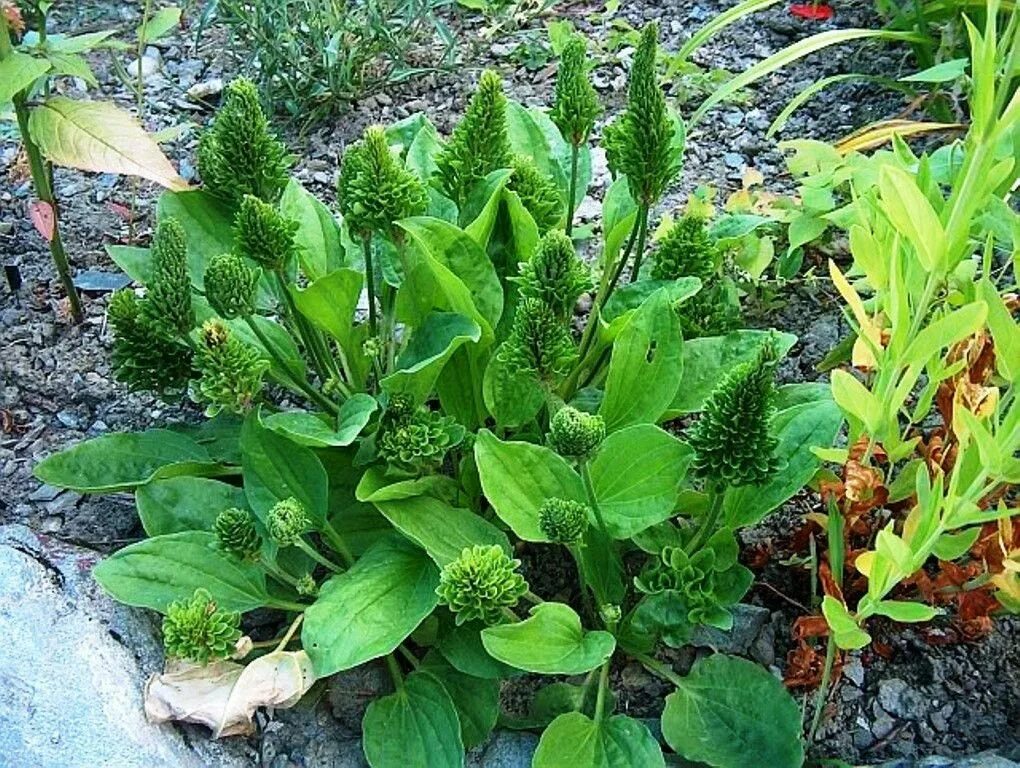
(230, 371)
(539, 343)
(168, 301)
(263, 235)
(686, 250)
(375, 189)
(538, 193)
(554, 275)
(479, 144)
(145, 356)
(562, 520)
(198, 631)
(238, 154)
(416, 440)
(576, 434)
(306, 586)
(230, 286)
(731, 441)
(577, 104)
(287, 521)
(235, 533)
(639, 143)
(480, 584)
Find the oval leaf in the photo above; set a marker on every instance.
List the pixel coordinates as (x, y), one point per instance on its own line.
(369, 610)
(184, 504)
(729, 708)
(99, 137)
(550, 642)
(155, 572)
(617, 742)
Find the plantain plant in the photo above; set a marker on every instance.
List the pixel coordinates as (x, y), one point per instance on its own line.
(399, 403)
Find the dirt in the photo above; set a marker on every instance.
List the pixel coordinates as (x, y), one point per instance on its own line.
(56, 386)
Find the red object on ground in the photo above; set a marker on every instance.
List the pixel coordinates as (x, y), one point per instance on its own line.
(812, 12)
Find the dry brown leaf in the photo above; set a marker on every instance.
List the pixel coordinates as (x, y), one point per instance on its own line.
(224, 695)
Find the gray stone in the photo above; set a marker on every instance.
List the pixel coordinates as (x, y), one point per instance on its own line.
(748, 621)
(73, 665)
(95, 281)
(897, 698)
(506, 749)
(853, 671)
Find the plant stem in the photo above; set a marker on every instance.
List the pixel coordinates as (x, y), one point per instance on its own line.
(309, 550)
(823, 689)
(640, 253)
(290, 632)
(293, 379)
(532, 598)
(336, 541)
(40, 170)
(278, 573)
(600, 697)
(395, 673)
(709, 523)
(574, 153)
(139, 107)
(640, 223)
(657, 667)
(589, 489)
(305, 332)
(373, 321)
(286, 605)
(511, 616)
(411, 658)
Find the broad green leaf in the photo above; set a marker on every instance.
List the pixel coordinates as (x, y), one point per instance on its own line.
(135, 262)
(551, 641)
(485, 198)
(276, 468)
(416, 726)
(1005, 332)
(728, 709)
(439, 528)
(184, 504)
(18, 72)
(367, 611)
(358, 523)
(799, 429)
(462, 647)
(421, 154)
(528, 137)
(950, 546)
(476, 699)
(517, 478)
(644, 371)
(906, 612)
(329, 303)
(619, 212)
(945, 331)
(317, 431)
(318, 234)
(460, 386)
(207, 222)
(707, 360)
(432, 344)
(465, 275)
(123, 461)
(574, 739)
(637, 474)
(159, 24)
(155, 572)
(631, 296)
(71, 43)
(100, 137)
(284, 359)
(845, 631)
(913, 216)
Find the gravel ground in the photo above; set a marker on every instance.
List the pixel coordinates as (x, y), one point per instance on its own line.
(56, 387)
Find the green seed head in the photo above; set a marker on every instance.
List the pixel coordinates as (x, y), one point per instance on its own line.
(230, 372)
(577, 104)
(731, 441)
(563, 520)
(306, 586)
(375, 189)
(263, 235)
(554, 275)
(538, 193)
(576, 434)
(145, 355)
(238, 154)
(479, 144)
(235, 533)
(168, 301)
(230, 286)
(686, 250)
(287, 521)
(198, 631)
(539, 343)
(639, 143)
(480, 584)
(416, 440)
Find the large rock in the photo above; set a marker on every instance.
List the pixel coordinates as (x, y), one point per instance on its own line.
(72, 668)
